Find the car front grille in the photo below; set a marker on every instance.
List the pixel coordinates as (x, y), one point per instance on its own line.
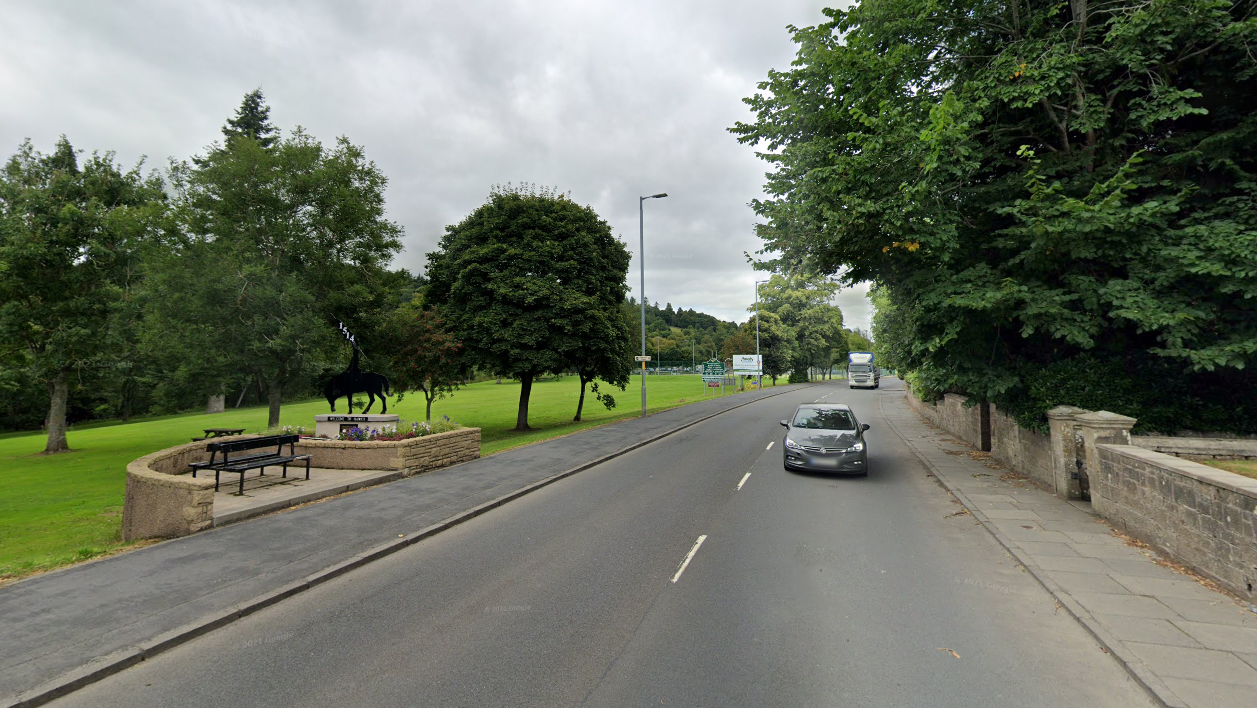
(811, 448)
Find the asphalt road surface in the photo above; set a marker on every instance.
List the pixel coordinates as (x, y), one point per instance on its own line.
(804, 591)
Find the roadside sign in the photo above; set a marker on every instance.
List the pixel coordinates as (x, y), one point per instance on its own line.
(713, 371)
(746, 364)
(641, 358)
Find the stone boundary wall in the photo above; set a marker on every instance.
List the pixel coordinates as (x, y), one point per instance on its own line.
(1024, 450)
(1203, 517)
(1194, 448)
(951, 415)
(410, 456)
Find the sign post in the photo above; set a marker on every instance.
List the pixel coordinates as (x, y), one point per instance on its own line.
(713, 375)
(747, 365)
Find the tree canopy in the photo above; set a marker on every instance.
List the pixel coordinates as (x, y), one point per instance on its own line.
(532, 283)
(70, 235)
(1040, 189)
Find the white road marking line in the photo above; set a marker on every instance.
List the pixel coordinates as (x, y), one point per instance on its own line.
(770, 445)
(744, 478)
(689, 557)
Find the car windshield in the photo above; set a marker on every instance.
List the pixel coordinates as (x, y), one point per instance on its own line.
(824, 419)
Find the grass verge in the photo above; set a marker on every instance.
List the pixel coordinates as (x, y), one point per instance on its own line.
(61, 509)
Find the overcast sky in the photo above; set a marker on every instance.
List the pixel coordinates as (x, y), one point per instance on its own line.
(606, 100)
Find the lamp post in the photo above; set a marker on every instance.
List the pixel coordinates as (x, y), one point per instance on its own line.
(641, 250)
(759, 381)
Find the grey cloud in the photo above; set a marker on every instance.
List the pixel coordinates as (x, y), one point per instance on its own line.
(607, 100)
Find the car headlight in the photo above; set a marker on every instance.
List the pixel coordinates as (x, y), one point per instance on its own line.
(858, 447)
(793, 445)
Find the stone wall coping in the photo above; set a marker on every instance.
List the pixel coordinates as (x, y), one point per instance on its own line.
(376, 444)
(140, 468)
(1105, 419)
(1197, 446)
(1066, 412)
(1237, 483)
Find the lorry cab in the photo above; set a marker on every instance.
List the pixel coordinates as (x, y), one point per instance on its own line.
(861, 371)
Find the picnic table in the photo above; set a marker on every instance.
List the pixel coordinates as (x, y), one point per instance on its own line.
(218, 433)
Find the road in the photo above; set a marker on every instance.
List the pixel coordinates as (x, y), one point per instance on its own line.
(805, 591)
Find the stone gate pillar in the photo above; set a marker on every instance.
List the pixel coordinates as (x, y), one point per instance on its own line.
(1063, 429)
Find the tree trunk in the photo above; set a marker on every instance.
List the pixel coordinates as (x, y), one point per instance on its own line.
(581, 403)
(274, 396)
(525, 390)
(59, 390)
(428, 398)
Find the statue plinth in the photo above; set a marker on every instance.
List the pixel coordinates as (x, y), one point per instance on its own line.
(331, 424)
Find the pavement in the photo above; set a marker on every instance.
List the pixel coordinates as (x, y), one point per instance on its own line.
(1191, 646)
(690, 571)
(69, 628)
(264, 494)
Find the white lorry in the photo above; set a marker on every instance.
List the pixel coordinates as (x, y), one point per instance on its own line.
(861, 371)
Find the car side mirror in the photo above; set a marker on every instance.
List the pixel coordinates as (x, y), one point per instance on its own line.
(864, 427)
(785, 424)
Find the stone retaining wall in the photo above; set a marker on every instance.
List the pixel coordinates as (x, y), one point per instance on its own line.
(164, 501)
(1202, 517)
(410, 456)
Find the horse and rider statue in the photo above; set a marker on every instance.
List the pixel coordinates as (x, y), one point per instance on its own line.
(355, 380)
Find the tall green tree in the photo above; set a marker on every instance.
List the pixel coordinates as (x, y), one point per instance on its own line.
(1032, 182)
(531, 283)
(774, 343)
(424, 355)
(280, 241)
(70, 232)
(253, 121)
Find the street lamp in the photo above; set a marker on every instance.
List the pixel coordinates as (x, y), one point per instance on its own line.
(641, 251)
(760, 380)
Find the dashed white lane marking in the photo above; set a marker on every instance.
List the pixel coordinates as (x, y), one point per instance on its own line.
(744, 478)
(689, 557)
(770, 445)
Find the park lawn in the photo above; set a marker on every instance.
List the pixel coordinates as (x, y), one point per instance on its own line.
(60, 509)
(1248, 468)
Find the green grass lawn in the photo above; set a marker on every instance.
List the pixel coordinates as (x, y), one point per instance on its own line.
(60, 509)
(1248, 468)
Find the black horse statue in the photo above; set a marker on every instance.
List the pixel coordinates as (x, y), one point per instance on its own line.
(355, 380)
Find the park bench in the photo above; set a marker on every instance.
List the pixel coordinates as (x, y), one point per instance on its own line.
(240, 456)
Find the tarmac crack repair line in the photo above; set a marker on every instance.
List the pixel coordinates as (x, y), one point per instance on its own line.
(690, 556)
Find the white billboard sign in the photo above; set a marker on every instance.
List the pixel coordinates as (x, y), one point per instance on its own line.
(747, 365)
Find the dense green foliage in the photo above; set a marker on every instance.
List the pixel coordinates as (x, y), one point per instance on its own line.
(277, 244)
(1042, 191)
(532, 283)
(70, 235)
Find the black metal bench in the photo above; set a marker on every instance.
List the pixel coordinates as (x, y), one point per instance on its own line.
(222, 460)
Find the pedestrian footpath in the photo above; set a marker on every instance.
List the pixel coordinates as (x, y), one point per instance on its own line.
(1191, 646)
(68, 628)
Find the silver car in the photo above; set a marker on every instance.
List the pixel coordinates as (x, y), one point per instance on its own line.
(825, 437)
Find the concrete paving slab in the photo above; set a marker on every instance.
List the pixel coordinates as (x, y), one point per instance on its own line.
(264, 495)
(1116, 549)
(1220, 636)
(1221, 610)
(1140, 568)
(1048, 549)
(1163, 587)
(1208, 694)
(1196, 664)
(1076, 582)
(1147, 630)
(1125, 604)
(1075, 564)
(1017, 514)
